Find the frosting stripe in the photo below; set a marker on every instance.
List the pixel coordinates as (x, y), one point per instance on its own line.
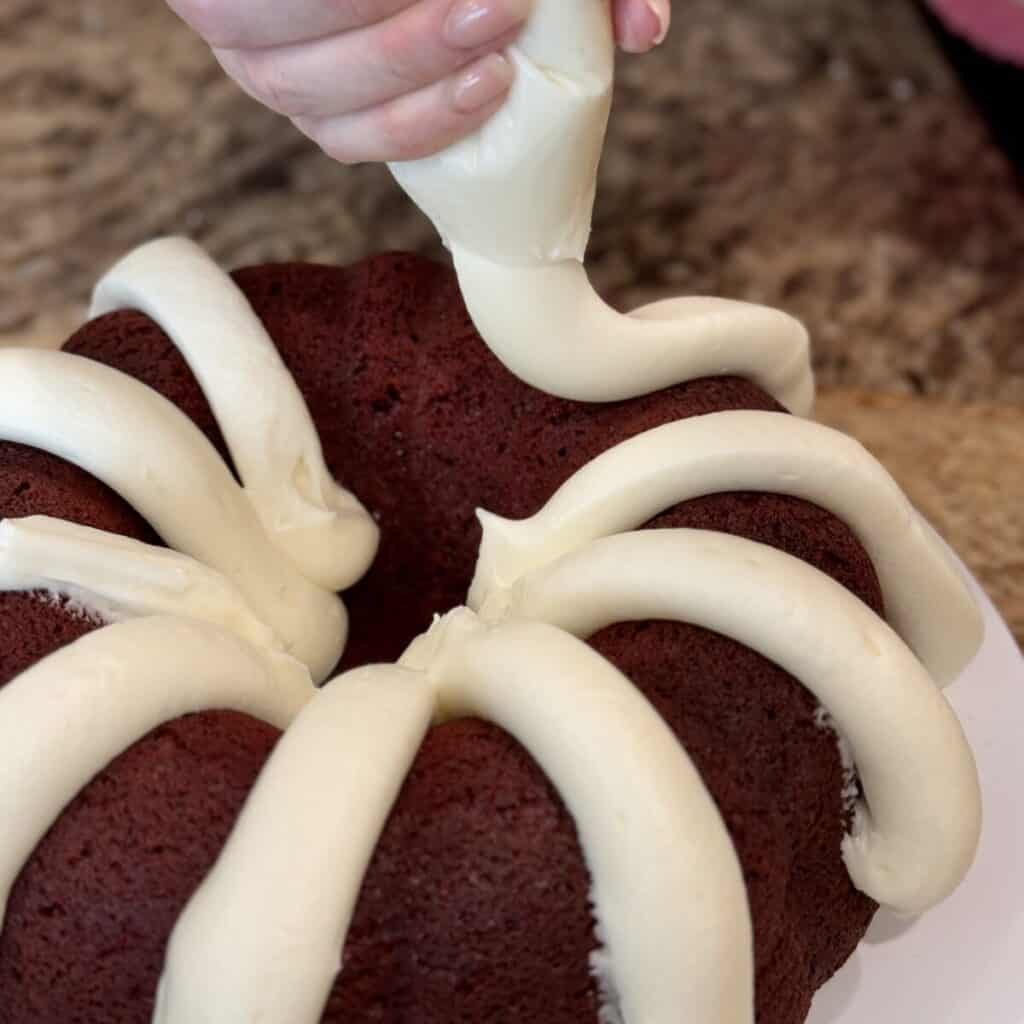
(66, 718)
(147, 450)
(549, 327)
(916, 832)
(262, 937)
(119, 578)
(667, 886)
(926, 599)
(259, 408)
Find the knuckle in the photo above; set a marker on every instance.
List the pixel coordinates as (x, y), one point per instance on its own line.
(268, 77)
(397, 54)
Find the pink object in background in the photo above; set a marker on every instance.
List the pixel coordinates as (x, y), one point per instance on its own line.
(995, 26)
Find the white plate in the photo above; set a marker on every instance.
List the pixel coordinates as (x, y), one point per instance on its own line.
(963, 962)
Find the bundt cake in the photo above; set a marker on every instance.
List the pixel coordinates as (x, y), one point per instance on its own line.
(659, 759)
(620, 732)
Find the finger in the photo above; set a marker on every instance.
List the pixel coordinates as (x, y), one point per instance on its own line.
(243, 24)
(641, 24)
(366, 67)
(419, 123)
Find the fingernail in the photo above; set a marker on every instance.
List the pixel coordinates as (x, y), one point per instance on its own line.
(482, 83)
(645, 25)
(663, 15)
(472, 23)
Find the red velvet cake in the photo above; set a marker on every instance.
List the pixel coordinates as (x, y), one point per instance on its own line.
(508, 879)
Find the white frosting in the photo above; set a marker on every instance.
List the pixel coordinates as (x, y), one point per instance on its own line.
(120, 578)
(520, 190)
(915, 834)
(258, 407)
(262, 940)
(549, 327)
(146, 449)
(926, 599)
(262, 937)
(66, 718)
(669, 899)
(513, 202)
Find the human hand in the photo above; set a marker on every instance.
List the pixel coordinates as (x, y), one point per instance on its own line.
(383, 79)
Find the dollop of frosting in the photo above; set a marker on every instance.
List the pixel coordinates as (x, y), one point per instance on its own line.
(513, 202)
(926, 597)
(66, 718)
(665, 860)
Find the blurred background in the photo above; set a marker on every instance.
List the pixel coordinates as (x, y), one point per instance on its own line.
(843, 159)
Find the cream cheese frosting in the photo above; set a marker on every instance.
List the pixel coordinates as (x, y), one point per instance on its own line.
(262, 937)
(549, 327)
(926, 599)
(916, 831)
(273, 443)
(665, 859)
(262, 940)
(513, 201)
(66, 718)
(118, 578)
(153, 455)
(520, 190)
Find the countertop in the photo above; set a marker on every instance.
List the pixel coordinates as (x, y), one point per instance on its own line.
(817, 155)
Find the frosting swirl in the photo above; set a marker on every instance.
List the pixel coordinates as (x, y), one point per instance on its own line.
(916, 830)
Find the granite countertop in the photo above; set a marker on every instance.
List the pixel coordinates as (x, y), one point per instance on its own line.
(817, 155)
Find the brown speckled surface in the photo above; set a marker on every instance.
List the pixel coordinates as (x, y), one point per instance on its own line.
(813, 154)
